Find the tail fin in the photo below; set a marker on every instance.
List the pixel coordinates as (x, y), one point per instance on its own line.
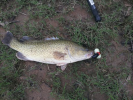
(7, 39)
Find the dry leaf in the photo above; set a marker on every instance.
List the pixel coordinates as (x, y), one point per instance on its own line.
(127, 4)
(2, 24)
(129, 7)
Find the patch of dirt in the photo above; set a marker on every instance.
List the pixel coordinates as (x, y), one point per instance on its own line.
(52, 23)
(96, 95)
(2, 32)
(78, 14)
(43, 93)
(67, 82)
(89, 70)
(117, 56)
(35, 69)
(39, 89)
(23, 17)
(129, 89)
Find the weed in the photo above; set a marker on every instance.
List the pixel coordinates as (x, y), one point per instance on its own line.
(56, 84)
(9, 86)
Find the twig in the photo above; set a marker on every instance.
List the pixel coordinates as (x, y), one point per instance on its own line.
(2, 24)
(23, 13)
(131, 43)
(13, 22)
(131, 46)
(132, 62)
(7, 23)
(48, 67)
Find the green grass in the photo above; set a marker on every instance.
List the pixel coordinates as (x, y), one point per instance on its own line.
(93, 35)
(10, 88)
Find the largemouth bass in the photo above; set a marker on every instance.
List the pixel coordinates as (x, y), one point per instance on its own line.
(50, 51)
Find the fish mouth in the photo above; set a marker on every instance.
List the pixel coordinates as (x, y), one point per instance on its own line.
(90, 54)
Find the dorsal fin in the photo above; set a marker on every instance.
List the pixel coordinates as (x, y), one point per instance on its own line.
(25, 38)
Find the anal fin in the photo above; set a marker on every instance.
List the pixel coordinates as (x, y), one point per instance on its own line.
(21, 56)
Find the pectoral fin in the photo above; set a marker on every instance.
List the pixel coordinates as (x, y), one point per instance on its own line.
(21, 56)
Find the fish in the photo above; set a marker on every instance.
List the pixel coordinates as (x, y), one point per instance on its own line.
(49, 51)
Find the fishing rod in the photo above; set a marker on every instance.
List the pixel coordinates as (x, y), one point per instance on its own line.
(94, 10)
